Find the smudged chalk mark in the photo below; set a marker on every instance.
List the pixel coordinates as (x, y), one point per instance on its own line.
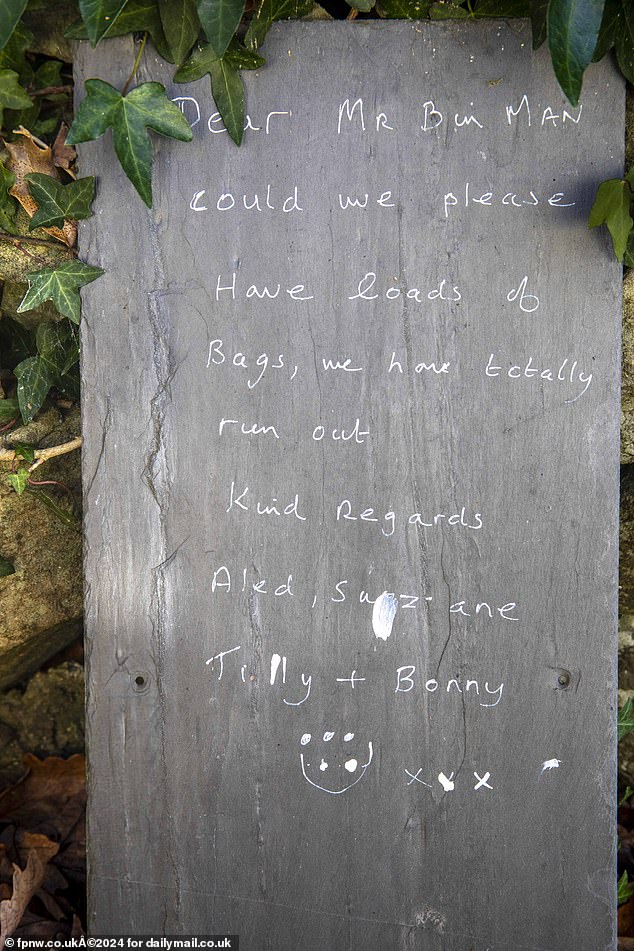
(551, 764)
(383, 614)
(446, 782)
(430, 918)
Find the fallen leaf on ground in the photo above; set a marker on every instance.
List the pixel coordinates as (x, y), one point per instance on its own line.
(42, 850)
(64, 155)
(626, 918)
(50, 799)
(26, 883)
(28, 154)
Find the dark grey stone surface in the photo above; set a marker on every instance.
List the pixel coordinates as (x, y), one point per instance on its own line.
(231, 621)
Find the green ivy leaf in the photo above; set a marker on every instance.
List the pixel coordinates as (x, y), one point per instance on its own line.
(502, 8)
(8, 410)
(610, 24)
(69, 384)
(220, 19)
(12, 95)
(61, 285)
(8, 204)
(66, 517)
(57, 346)
(180, 25)
(226, 82)
(626, 795)
(18, 480)
(625, 42)
(364, 6)
(573, 31)
(48, 74)
(447, 11)
(16, 342)
(612, 207)
(10, 13)
(13, 56)
(538, 12)
(268, 12)
(146, 106)
(59, 202)
(625, 719)
(228, 92)
(628, 257)
(241, 58)
(403, 9)
(23, 451)
(6, 568)
(625, 890)
(98, 16)
(34, 382)
(137, 16)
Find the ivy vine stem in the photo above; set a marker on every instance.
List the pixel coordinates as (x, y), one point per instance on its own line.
(42, 455)
(136, 65)
(8, 425)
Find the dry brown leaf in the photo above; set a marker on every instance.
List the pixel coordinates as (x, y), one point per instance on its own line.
(50, 799)
(36, 842)
(51, 906)
(34, 926)
(626, 919)
(6, 866)
(26, 882)
(29, 154)
(72, 857)
(64, 155)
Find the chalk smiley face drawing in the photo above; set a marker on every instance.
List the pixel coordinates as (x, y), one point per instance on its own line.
(338, 769)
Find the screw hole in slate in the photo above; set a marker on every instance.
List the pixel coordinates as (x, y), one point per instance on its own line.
(140, 681)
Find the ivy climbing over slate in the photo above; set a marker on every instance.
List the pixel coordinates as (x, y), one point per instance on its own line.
(210, 37)
(129, 117)
(137, 16)
(202, 38)
(220, 19)
(99, 16)
(226, 83)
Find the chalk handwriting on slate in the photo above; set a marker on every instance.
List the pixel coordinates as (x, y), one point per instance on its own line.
(353, 116)
(403, 679)
(226, 581)
(252, 369)
(376, 408)
(354, 113)
(326, 761)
